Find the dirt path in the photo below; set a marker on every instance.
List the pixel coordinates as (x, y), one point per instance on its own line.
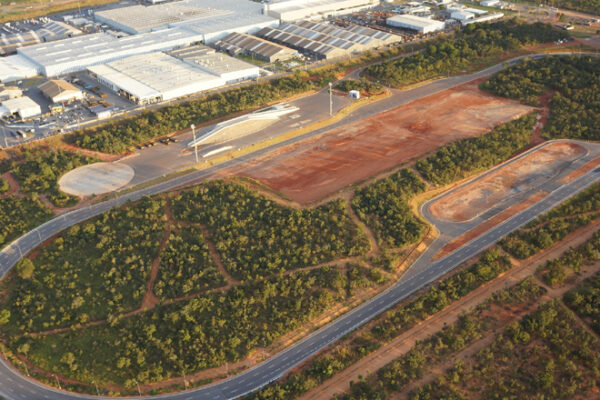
(15, 187)
(217, 257)
(404, 342)
(150, 300)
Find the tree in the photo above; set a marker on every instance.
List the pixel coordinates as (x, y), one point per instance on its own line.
(4, 317)
(25, 269)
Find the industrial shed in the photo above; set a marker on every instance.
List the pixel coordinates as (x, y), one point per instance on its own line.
(47, 32)
(229, 69)
(15, 67)
(76, 54)
(412, 22)
(59, 91)
(211, 19)
(155, 77)
(327, 41)
(293, 10)
(24, 107)
(261, 49)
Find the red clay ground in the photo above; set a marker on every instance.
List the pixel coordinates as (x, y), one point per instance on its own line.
(521, 175)
(313, 169)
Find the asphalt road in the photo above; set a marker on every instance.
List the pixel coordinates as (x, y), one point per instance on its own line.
(17, 387)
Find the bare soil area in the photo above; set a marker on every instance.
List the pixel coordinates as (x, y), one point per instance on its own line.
(313, 169)
(521, 175)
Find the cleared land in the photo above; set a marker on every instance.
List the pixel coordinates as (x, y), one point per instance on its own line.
(521, 175)
(96, 178)
(316, 168)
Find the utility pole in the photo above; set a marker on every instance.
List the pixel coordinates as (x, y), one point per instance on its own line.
(57, 381)
(195, 144)
(330, 100)
(97, 391)
(138, 387)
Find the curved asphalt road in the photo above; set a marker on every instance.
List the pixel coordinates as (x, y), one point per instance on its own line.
(14, 386)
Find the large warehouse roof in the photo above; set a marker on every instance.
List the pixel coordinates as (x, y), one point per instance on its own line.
(155, 76)
(208, 17)
(291, 10)
(236, 43)
(13, 68)
(47, 32)
(79, 53)
(327, 40)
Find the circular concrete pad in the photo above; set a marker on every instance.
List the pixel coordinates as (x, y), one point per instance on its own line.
(96, 178)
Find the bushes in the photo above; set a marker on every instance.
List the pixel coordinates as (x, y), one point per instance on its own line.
(585, 300)
(204, 332)
(575, 83)
(472, 44)
(363, 85)
(383, 206)
(256, 237)
(18, 215)
(463, 157)
(89, 272)
(553, 226)
(40, 171)
(4, 186)
(548, 355)
(186, 265)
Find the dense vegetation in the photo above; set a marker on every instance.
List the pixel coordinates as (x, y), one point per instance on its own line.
(383, 206)
(575, 84)
(486, 317)
(548, 355)
(4, 186)
(585, 301)
(472, 44)
(186, 265)
(364, 86)
(553, 226)
(190, 336)
(557, 271)
(463, 157)
(586, 6)
(256, 237)
(19, 215)
(91, 271)
(399, 319)
(40, 170)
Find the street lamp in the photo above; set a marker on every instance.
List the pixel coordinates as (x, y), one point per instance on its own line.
(330, 100)
(195, 143)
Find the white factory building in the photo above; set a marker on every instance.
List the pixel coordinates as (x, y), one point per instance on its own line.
(156, 77)
(76, 54)
(412, 22)
(293, 10)
(211, 19)
(24, 107)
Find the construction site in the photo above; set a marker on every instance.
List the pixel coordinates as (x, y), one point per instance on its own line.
(316, 168)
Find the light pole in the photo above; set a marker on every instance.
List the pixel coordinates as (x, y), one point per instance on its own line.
(330, 100)
(195, 144)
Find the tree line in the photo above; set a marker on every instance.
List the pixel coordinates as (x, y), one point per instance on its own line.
(472, 44)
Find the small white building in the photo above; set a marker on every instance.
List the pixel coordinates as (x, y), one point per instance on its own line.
(24, 107)
(59, 91)
(462, 15)
(354, 94)
(491, 3)
(419, 24)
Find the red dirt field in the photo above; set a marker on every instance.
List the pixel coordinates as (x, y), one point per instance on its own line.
(487, 225)
(521, 175)
(316, 168)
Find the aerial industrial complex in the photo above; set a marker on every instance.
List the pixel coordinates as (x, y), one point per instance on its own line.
(106, 61)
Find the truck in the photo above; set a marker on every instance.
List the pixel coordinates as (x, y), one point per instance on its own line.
(22, 133)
